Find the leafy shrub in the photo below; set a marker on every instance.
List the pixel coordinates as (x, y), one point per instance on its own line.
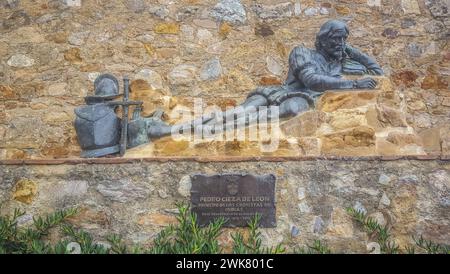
(31, 239)
(252, 245)
(186, 237)
(383, 237)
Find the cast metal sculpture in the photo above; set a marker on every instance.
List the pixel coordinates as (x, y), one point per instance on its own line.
(97, 126)
(311, 73)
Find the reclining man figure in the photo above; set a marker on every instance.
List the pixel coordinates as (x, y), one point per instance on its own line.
(311, 73)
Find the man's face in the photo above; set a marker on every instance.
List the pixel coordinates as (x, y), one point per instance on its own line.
(334, 44)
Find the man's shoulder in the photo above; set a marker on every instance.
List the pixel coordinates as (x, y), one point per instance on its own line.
(301, 48)
(304, 52)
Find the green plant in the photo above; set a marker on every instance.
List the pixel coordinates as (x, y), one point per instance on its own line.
(187, 237)
(382, 236)
(253, 244)
(15, 239)
(379, 233)
(430, 247)
(84, 239)
(318, 247)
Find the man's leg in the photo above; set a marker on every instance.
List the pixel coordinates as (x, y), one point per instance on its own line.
(250, 105)
(293, 106)
(157, 128)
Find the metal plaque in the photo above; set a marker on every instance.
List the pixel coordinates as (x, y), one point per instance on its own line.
(236, 197)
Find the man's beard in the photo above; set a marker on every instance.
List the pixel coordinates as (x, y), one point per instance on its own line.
(338, 54)
(333, 52)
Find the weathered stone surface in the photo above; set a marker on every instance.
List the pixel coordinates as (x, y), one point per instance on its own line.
(303, 207)
(183, 75)
(341, 224)
(295, 231)
(57, 89)
(204, 23)
(407, 23)
(264, 30)
(122, 191)
(406, 78)
(7, 93)
(70, 189)
(204, 37)
(410, 6)
(92, 218)
(305, 124)
(167, 28)
(156, 219)
(431, 139)
(345, 140)
(390, 33)
(160, 11)
(411, 205)
(324, 11)
(17, 19)
(162, 194)
(136, 6)
(385, 201)
(297, 8)
(414, 50)
(73, 55)
(345, 119)
(384, 179)
(391, 117)
(11, 4)
(78, 38)
(67, 47)
(225, 30)
(318, 225)
(435, 27)
(151, 77)
(167, 146)
(359, 207)
(273, 66)
(184, 186)
(314, 11)
(56, 118)
(374, 3)
(211, 70)
(330, 102)
(20, 61)
(269, 81)
(310, 146)
(25, 191)
(231, 11)
(438, 8)
(278, 11)
(433, 80)
(408, 142)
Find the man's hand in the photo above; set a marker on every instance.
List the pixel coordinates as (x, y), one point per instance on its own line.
(365, 83)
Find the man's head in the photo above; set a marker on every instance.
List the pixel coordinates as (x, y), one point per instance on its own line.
(331, 38)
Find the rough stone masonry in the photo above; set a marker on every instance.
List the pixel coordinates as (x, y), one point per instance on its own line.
(50, 53)
(136, 199)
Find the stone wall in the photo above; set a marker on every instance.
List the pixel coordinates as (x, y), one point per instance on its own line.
(50, 53)
(136, 199)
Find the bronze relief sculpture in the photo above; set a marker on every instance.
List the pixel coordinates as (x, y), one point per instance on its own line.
(311, 73)
(97, 126)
